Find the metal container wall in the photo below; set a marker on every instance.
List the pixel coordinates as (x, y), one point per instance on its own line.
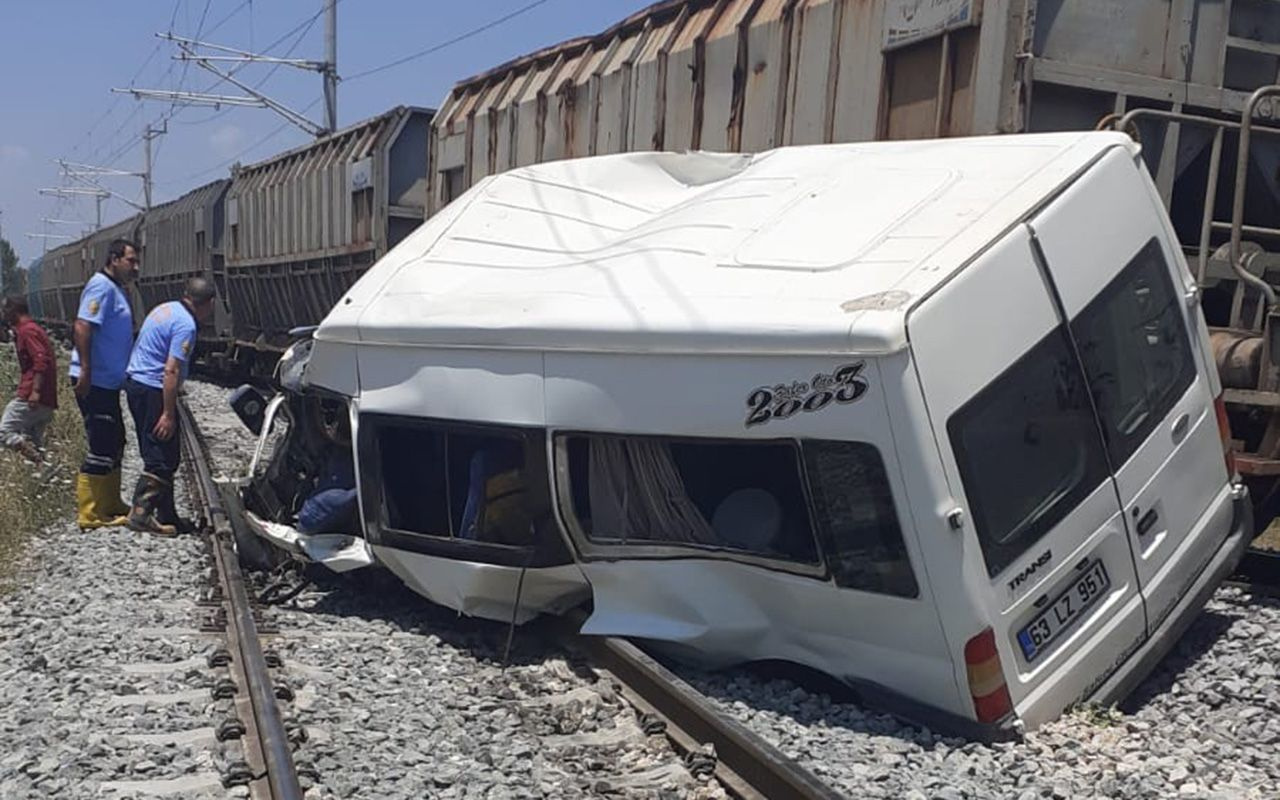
(183, 239)
(300, 228)
(754, 74)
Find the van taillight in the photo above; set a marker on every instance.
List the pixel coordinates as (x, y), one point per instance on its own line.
(1224, 429)
(986, 679)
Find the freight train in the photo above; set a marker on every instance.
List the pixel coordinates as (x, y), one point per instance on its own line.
(281, 239)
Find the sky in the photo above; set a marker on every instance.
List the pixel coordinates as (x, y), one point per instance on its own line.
(61, 59)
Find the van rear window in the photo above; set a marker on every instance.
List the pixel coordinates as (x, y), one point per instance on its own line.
(1028, 449)
(773, 500)
(1135, 350)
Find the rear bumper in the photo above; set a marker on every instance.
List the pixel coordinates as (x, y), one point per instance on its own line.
(1223, 563)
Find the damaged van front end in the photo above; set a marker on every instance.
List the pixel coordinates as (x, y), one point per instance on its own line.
(300, 493)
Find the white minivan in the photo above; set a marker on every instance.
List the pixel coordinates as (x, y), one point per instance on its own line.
(938, 418)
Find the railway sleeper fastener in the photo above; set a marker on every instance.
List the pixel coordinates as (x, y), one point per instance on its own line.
(215, 622)
(239, 774)
(283, 691)
(701, 765)
(219, 658)
(230, 728)
(225, 689)
(652, 724)
(272, 659)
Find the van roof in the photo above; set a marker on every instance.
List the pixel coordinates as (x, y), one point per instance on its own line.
(816, 249)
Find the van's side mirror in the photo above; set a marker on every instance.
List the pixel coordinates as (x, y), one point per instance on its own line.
(250, 406)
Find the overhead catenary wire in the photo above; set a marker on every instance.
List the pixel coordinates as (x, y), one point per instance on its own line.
(442, 45)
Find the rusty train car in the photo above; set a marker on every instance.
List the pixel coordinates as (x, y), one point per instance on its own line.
(282, 239)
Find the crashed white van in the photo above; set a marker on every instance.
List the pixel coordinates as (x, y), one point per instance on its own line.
(937, 418)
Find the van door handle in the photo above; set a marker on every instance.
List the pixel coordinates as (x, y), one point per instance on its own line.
(1148, 521)
(1180, 427)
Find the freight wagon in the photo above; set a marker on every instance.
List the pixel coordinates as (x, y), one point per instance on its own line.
(182, 239)
(67, 268)
(749, 75)
(281, 239)
(303, 226)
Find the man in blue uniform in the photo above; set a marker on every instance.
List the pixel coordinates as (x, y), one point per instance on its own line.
(103, 335)
(159, 364)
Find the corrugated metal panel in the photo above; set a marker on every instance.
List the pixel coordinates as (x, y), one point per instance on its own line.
(309, 221)
(755, 74)
(180, 235)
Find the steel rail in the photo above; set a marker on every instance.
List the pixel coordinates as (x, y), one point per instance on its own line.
(273, 740)
(746, 765)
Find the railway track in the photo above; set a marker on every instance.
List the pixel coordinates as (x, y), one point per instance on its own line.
(268, 768)
(743, 763)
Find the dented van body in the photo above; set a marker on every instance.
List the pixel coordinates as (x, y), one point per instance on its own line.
(936, 418)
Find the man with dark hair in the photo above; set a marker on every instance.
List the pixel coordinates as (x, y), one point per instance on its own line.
(31, 410)
(103, 336)
(159, 364)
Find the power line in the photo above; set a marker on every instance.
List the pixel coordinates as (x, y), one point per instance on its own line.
(304, 26)
(229, 161)
(455, 40)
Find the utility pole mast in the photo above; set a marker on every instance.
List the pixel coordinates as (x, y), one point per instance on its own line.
(97, 193)
(147, 135)
(190, 51)
(331, 64)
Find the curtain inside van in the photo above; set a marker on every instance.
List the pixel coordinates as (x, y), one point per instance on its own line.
(636, 493)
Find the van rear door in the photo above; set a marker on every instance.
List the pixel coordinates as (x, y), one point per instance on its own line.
(1047, 562)
(1126, 293)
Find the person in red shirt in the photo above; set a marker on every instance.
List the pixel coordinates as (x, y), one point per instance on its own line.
(28, 414)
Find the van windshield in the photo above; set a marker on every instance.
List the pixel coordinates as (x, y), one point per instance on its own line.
(1029, 450)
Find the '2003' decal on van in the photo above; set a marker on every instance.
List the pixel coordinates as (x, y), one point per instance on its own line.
(842, 385)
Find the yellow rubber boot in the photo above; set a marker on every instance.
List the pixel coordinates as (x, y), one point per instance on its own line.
(110, 503)
(89, 491)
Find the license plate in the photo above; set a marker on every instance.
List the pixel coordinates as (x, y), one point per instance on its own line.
(1065, 609)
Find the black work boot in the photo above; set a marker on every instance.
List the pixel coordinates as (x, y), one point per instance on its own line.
(146, 502)
(167, 512)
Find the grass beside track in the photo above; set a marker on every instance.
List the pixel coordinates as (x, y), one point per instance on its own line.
(29, 504)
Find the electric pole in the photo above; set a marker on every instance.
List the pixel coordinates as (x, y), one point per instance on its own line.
(331, 64)
(190, 50)
(97, 193)
(147, 135)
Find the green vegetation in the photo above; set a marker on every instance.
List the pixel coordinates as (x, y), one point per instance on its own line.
(12, 279)
(30, 501)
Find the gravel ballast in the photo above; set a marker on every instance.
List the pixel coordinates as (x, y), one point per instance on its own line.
(101, 660)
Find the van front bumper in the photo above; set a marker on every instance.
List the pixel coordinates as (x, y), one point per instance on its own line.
(1127, 677)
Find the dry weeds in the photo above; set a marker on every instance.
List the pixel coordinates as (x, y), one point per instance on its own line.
(31, 501)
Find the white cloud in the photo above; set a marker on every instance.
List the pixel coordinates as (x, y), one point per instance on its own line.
(227, 140)
(13, 154)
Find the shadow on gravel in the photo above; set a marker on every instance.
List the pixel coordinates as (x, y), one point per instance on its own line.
(375, 594)
(809, 698)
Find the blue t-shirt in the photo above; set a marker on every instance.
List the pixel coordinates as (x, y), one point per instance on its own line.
(104, 305)
(168, 332)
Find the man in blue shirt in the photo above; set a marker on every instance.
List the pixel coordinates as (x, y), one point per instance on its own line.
(103, 335)
(161, 357)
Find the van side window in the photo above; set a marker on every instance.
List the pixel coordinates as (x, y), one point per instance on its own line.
(743, 496)
(751, 497)
(459, 484)
(1028, 449)
(1135, 351)
(853, 505)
